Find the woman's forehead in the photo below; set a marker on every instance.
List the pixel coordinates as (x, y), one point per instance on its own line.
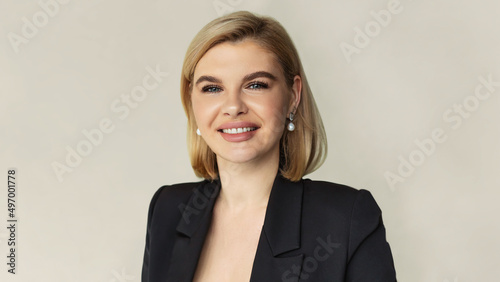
(236, 59)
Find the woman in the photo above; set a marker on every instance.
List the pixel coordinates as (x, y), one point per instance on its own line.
(253, 132)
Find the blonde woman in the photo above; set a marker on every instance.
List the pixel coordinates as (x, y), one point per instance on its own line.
(254, 131)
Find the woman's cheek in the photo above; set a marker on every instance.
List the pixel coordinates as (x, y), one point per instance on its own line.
(205, 111)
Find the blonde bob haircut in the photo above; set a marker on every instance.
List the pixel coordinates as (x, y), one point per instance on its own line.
(303, 150)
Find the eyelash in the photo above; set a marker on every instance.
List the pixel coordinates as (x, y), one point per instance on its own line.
(261, 84)
(211, 86)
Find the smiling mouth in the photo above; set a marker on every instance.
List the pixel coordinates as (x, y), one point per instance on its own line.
(238, 130)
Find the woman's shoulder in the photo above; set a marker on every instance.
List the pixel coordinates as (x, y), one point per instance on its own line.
(322, 186)
(178, 189)
(337, 196)
(174, 194)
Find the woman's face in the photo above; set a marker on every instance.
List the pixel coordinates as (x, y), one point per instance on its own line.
(240, 101)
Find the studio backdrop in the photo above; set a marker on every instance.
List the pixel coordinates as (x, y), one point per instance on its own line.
(92, 125)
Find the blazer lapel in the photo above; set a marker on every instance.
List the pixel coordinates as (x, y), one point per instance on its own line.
(280, 234)
(192, 230)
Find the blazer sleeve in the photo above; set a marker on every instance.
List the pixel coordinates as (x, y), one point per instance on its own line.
(145, 265)
(369, 254)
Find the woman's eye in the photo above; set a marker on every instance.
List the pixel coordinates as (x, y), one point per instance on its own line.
(211, 89)
(258, 85)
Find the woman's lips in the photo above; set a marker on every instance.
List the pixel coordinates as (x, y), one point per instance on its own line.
(237, 131)
(238, 137)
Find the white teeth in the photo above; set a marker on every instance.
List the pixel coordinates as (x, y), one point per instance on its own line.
(238, 130)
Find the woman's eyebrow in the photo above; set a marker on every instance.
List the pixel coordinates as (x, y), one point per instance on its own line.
(246, 78)
(208, 78)
(259, 74)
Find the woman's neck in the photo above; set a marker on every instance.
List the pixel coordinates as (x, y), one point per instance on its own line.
(246, 186)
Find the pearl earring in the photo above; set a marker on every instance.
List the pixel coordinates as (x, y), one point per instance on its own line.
(291, 126)
(198, 132)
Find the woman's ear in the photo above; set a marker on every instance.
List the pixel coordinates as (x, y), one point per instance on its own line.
(296, 93)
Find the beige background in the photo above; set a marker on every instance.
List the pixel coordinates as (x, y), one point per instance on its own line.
(66, 76)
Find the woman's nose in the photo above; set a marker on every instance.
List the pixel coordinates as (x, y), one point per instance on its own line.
(234, 104)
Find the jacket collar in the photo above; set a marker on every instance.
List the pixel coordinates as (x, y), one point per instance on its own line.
(281, 227)
(199, 207)
(283, 215)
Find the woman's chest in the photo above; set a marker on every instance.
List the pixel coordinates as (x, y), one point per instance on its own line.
(229, 249)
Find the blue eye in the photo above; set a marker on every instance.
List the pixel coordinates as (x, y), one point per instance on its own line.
(258, 85)
(211, 89)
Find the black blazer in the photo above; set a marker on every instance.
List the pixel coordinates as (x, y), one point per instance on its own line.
(318, 231)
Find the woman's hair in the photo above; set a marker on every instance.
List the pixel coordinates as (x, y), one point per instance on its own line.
(303, 150)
